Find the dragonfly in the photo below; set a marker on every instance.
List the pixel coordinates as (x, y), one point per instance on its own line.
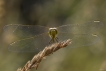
(33, 38)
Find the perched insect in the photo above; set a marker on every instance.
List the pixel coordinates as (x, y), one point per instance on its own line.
(34, 37)
(53, 34)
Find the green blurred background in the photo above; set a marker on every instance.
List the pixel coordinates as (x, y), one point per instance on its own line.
(58, 12)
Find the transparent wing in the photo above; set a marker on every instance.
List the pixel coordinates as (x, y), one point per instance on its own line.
(89, 27)
(79, 40)
(31, 44)
(24, 30)
(37, 43)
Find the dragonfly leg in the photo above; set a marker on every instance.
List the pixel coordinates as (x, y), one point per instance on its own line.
(51, 41)
(56, 39)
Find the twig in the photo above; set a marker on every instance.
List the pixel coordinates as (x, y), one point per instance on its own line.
(34, 63)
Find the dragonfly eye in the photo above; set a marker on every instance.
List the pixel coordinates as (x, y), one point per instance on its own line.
(53, 28)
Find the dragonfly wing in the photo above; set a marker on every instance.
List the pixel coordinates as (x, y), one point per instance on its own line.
(24, 30)
(79, 40)
(31, 44)
(89, 27)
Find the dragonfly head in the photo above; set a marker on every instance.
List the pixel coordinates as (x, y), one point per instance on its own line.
(53, 32)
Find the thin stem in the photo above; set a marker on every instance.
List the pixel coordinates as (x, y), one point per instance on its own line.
(34, 63)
